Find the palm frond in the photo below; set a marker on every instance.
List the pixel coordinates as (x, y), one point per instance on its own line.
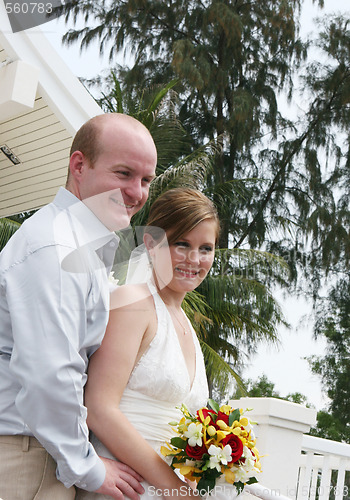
(218, 370)
(191, 171)
(8, 228)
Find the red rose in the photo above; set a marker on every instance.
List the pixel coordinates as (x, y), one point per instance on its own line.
(223, 416)
(196, 452)
(205, 412)
(236, 446)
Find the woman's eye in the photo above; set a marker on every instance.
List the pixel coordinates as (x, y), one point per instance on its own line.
(207, 249)
(181, 244)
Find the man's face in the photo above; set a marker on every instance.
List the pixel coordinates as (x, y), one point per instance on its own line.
(118, 184)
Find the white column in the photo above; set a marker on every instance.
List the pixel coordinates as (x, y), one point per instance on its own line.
(279, 430)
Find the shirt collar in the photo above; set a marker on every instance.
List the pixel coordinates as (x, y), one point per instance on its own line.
(87, 231)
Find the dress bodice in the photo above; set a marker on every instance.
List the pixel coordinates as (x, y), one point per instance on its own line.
(160, 380)
(162, 372)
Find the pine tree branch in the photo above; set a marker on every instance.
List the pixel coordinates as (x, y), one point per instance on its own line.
(287, 157)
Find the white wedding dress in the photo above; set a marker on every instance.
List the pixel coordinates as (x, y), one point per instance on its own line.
(158, 383)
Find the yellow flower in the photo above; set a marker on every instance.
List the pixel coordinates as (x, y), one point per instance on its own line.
(168, 451)
(220, 435)
(211, 430)
(223, 426)
(185, 411)
(237, 431)
(182, 427)
(229, 476)
(201, 416)
(187, 471)
(251, 444)
(244, 421)
(226, 409)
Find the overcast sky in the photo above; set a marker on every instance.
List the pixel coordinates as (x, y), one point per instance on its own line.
(285, 366)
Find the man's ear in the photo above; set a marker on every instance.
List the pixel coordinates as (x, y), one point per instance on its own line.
(77, 163)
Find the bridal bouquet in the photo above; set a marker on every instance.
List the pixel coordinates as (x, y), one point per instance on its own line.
(215, 444)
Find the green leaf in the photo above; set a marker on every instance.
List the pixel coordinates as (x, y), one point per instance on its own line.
(160, 95)
(205, 485)
(252, 480)
(240, 487)
(235, 415)
(178, 442)
(213, 405)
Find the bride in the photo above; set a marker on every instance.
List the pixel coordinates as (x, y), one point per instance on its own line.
(150, 360)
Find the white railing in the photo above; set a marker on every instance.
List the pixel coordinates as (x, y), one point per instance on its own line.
(320, 458)
(295, 465)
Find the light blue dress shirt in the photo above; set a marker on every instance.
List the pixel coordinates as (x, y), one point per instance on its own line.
(54, 305)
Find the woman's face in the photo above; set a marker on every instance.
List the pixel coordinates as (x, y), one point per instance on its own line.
(184, 264)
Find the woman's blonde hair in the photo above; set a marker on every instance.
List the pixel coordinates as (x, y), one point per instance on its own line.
(178, 211)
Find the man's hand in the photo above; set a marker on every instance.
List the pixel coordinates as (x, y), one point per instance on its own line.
(120, 480)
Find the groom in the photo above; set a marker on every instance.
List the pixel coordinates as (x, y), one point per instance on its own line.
(54, 310)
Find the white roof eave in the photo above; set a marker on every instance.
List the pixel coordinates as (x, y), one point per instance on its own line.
(62, 90)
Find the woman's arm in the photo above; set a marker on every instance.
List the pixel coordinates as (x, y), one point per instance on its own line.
(129, 332)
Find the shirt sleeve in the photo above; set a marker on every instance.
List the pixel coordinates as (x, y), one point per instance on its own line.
(48, 309)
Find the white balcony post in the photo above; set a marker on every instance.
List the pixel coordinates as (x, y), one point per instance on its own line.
(279, 432)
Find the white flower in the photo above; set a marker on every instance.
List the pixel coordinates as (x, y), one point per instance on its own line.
(219, 456)
(248, 469)
(195, 434)
(247, 453)
(241, 475)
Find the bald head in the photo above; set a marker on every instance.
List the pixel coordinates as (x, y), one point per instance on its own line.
(89, 138)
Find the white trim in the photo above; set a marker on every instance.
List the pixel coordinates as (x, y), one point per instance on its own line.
(64, 93)
(325, 446)
(18, 86)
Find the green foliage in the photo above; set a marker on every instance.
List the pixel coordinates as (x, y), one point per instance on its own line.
(156, 109)
(264, 388)
(261, 388)
(334, 367)
(330, 427)
(8, 227)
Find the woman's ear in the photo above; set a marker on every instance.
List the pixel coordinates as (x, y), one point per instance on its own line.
(149, 242)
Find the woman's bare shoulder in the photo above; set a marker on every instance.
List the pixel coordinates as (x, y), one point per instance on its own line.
(130, 296)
